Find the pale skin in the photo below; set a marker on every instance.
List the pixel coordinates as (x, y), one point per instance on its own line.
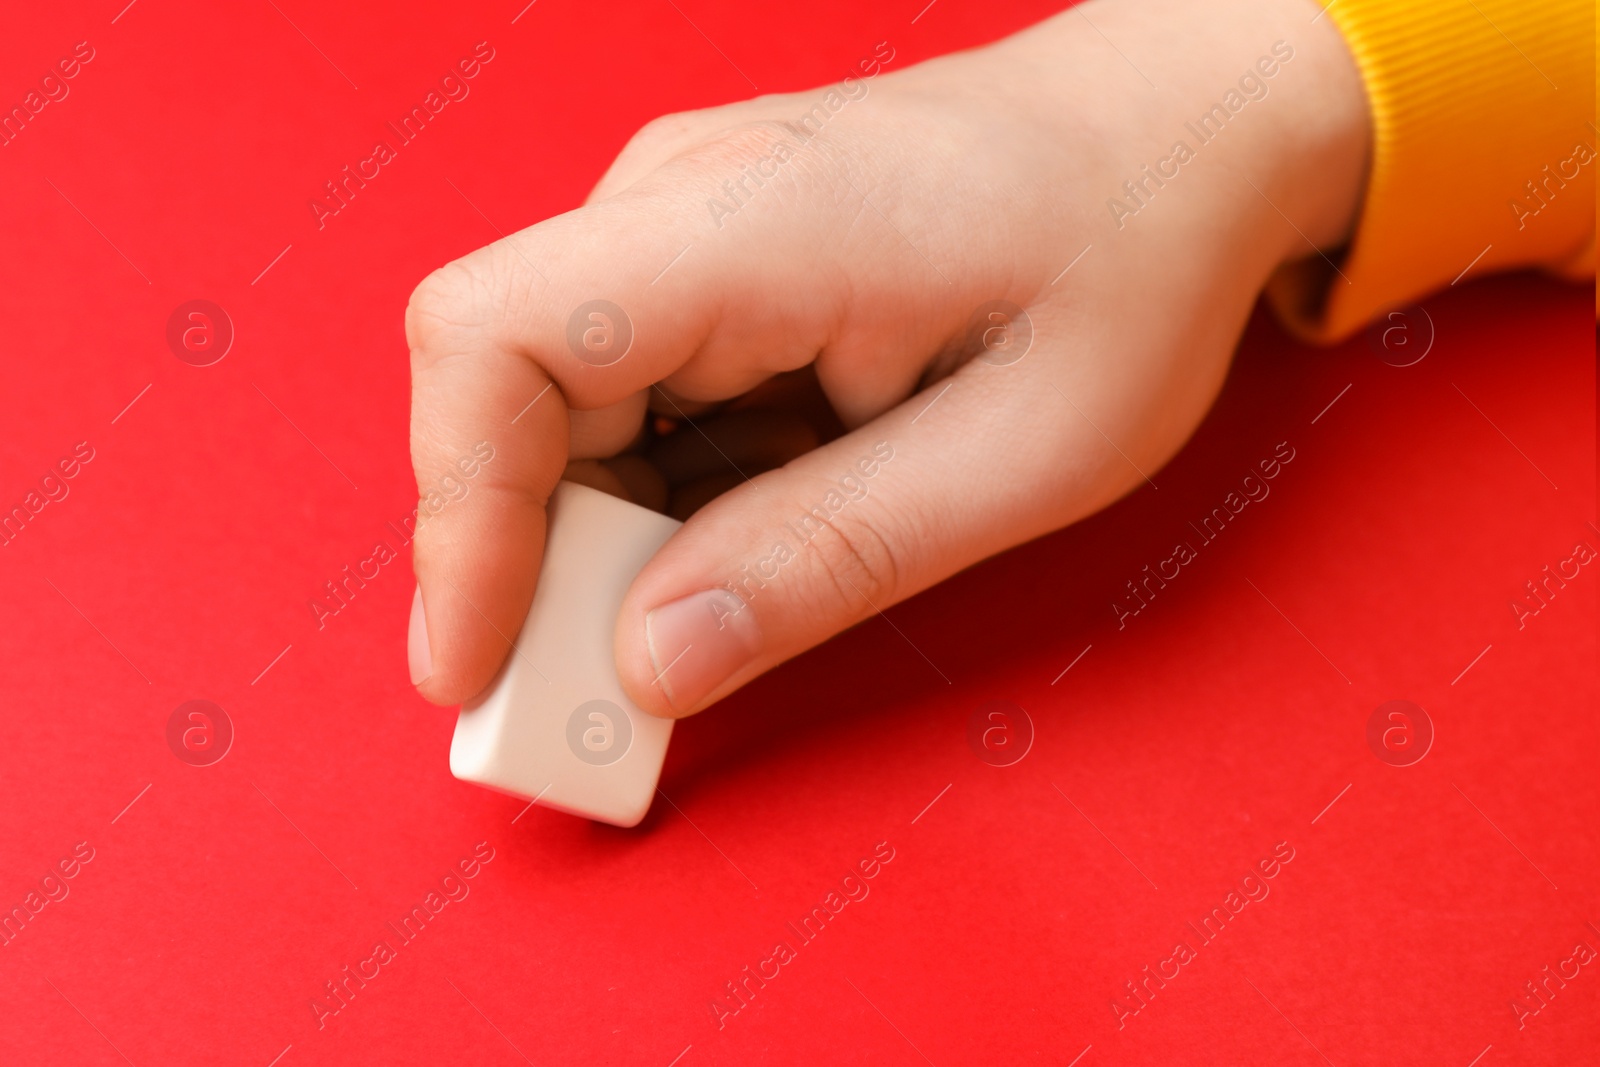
(971, 178)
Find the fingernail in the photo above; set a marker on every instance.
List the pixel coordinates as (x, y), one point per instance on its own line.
(417, 651)
(698, 642)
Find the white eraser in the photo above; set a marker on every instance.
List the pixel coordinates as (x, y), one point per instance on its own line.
(555, 724)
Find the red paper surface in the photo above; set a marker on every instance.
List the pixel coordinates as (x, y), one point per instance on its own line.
(1172, 758)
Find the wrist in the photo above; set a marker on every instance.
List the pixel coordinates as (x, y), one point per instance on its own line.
(1313, 150)
(1260, 93)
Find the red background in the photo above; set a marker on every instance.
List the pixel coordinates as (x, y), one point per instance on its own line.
(1196, 738)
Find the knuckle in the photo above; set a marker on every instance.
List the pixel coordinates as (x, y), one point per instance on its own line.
(731, 157)
(753, 161)
(447, 300)
(457, 303)
(658, 141)
(744, 143)
(768, 154)
(856, 560)
(661, 132)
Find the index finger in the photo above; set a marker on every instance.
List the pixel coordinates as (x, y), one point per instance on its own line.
(476, 551)
(504, 343)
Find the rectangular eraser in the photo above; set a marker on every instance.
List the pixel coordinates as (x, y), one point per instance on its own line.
(555, 724)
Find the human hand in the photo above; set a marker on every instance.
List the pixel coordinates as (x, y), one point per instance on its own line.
(904, 212)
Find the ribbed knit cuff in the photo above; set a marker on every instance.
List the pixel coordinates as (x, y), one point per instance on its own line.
(1483, 154)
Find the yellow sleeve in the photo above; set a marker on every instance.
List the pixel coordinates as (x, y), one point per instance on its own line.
(1483, 154)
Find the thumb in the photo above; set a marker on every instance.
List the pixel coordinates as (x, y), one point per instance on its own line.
(965, 469)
